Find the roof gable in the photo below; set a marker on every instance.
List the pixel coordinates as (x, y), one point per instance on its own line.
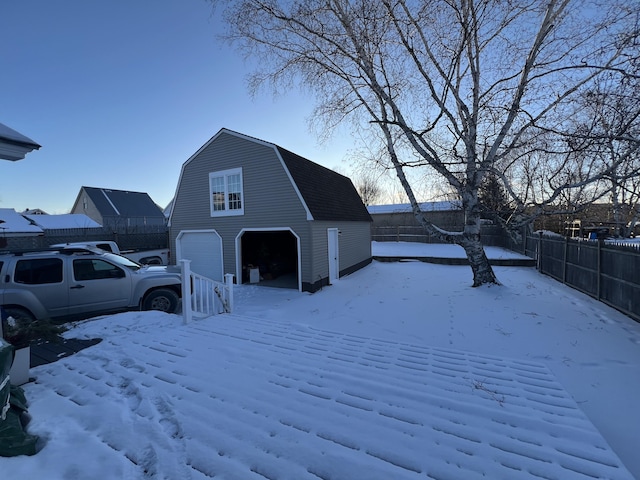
(123, 203)
(325, 194)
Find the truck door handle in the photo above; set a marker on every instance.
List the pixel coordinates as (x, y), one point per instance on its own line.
(77, 286)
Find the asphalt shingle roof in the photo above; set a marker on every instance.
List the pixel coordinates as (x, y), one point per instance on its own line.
(123, 203)
(328, 195)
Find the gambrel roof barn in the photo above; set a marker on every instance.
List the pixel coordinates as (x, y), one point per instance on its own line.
(252, 208)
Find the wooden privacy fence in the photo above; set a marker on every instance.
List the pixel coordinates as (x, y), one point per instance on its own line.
(607, 272)
(491, 235)
(402, 233)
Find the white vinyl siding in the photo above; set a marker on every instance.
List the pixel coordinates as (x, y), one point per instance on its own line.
(226, 192)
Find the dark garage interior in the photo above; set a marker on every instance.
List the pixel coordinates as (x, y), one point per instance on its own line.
(270, 258)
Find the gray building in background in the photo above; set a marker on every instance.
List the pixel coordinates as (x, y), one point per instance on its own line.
(119, 209)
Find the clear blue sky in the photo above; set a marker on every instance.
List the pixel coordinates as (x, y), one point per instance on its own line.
(120, 93)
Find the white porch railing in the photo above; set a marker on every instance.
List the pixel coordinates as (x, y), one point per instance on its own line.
(203, 297)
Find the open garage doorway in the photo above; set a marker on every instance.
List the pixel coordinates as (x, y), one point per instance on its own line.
(270, 258)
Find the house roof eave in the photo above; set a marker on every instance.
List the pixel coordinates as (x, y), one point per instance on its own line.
(13, 145)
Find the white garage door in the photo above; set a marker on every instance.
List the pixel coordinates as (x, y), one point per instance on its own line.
(204, 249)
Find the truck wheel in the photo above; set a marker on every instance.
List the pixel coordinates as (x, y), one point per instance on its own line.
(163, 299)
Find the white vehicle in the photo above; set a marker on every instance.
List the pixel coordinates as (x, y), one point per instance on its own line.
(144, 257)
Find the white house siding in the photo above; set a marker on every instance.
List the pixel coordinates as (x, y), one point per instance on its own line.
(270, 201)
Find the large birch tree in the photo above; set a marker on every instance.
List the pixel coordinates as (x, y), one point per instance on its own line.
(466, 88)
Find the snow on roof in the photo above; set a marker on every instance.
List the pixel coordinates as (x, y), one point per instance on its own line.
(34, 211)
(12, 222)
(406, 207)
(67, 220)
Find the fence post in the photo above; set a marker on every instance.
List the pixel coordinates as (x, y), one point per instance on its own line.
(187, 313)
(540, 252)
(599, 263)
(564, 260)
(228, 279)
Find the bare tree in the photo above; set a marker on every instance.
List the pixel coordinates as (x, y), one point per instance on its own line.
(464, 87)
(632, 193)
(368, 187)
(609, 133)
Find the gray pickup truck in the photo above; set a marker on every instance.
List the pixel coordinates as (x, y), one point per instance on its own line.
(68, 283)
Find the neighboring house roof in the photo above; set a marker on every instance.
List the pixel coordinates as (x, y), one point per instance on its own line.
(406, 207)
(121, 203)
(13, 145)
(34, 211)
(12, 223)
(328, 195)
(67, 220)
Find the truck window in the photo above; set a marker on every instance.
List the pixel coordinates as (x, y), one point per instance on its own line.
(93, 269)
(36, 271)
(104, 246)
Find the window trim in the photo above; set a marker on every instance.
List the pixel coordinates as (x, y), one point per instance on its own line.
(225, 174)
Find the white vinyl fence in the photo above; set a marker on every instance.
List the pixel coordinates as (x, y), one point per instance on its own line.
(203, 297)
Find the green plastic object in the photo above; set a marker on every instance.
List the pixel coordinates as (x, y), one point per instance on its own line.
(14, 440)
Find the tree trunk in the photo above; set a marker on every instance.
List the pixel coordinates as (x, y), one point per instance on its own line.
(470, 239)
(480, 266)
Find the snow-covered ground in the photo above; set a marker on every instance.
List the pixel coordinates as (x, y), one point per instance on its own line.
(399, 371)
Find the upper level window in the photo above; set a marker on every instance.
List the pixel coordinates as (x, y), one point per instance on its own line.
(225, 188)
